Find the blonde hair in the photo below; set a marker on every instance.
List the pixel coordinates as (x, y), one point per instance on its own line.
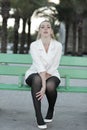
(39, 35)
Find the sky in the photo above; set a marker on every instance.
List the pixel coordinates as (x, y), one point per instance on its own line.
(55, 1)
(34, 21)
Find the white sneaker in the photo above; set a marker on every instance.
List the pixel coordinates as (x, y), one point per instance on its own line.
(48, 120)
(42, 126)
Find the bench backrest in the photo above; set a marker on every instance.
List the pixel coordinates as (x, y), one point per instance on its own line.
(26, 59)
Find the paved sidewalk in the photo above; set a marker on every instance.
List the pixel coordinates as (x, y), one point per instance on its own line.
(17, 113)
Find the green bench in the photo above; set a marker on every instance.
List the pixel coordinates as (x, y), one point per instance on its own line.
(15, 65)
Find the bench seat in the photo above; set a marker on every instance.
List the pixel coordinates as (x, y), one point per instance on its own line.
(73, 89)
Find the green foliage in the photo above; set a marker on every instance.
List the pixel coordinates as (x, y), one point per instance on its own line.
(27, 7)
(69, 9)
(64, 13)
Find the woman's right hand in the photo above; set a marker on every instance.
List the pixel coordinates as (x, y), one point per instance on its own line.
(40, 94)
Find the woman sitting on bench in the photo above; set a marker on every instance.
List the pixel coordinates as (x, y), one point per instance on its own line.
(43, 76)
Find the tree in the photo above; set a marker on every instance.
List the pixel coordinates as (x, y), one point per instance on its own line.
(16, 16)
(72, 13)
(16, 35)
(67, 14)
(26, 9)
(10, 34)
(5, 7)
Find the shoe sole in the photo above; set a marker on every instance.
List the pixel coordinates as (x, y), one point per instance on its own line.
(42, 126)
(48, 120)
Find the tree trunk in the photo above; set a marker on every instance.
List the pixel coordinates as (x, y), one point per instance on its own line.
(4, 36)
(28, 36)
(16, 35)
(66, 38)
(74, 39)
(80, 45)
(23, 37)
(5, 7)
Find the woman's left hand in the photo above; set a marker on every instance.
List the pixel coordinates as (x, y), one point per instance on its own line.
(41, 93)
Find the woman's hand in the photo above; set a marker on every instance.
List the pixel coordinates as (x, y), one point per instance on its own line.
(44, 76)
(48, 75)
(40, 94)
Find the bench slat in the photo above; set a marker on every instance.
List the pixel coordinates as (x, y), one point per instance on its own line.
(73, 89)
(73, 73)
(26, 88)
(12, 70)
(73, 61)
(15, 58)
(26, 59)
(20, 70)
(13, 87)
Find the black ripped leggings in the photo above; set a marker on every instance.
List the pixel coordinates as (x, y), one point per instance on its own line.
(34, 80)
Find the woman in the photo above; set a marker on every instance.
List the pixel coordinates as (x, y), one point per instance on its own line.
(43, 76)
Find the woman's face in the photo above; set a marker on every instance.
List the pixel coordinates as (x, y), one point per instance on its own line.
(45, 29)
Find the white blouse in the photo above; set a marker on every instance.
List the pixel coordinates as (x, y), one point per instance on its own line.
(45, 61)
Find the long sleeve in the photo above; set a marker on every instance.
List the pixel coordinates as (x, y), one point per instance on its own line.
(36, 59)
(54, 62)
